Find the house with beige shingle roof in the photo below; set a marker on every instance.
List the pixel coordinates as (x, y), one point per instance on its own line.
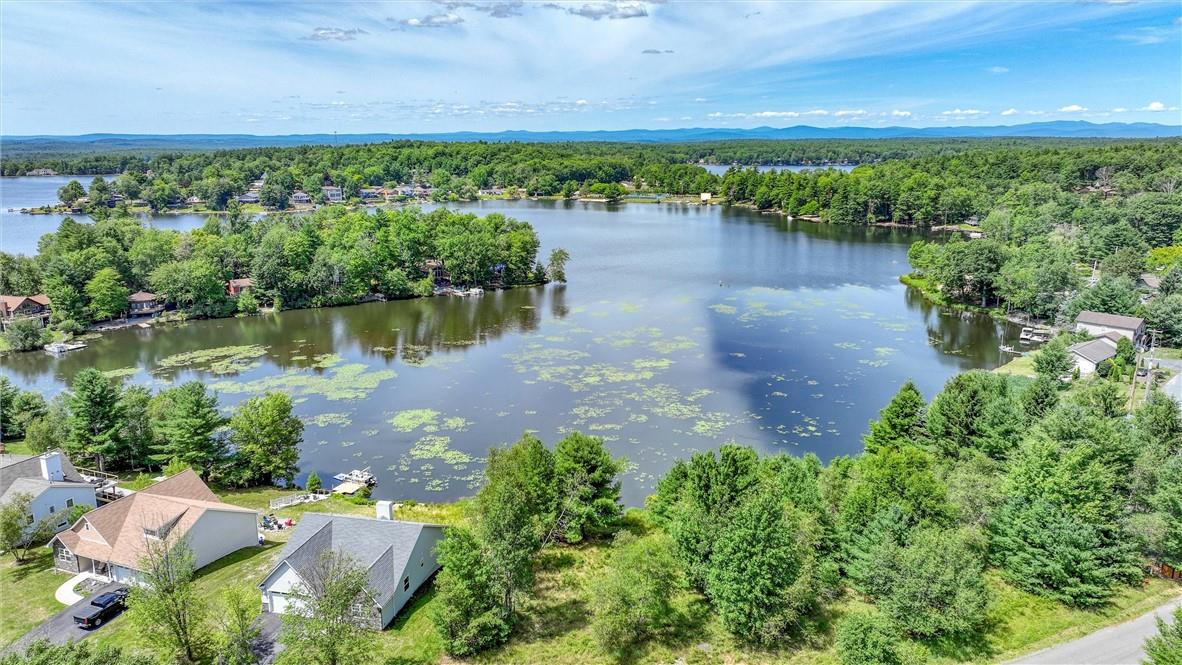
(50, 481)
(110, 541)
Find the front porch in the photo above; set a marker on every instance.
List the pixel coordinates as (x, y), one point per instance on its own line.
(67, 562)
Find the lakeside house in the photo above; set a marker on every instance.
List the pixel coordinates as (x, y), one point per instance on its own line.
(1088, 355)
(142, 303)
(1098, 323)
(51, 480)
(110, 542)
(193, 201)
(237, 286)
(369, 193)
(16, 308)
(1149, 281)
(332, 194)
(439, 274)
(249, 197)
(398, 558)
(298, 197)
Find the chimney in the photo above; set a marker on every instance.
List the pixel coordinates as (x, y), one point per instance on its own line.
(385, 510)
(51, 466)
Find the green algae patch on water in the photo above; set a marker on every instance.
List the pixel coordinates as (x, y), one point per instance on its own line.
(121, 373)
(329, 419)
(724, 309)
(220, 360)
(412, 419)
(344, 382)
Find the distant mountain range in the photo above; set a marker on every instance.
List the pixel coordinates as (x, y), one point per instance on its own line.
(156, 142)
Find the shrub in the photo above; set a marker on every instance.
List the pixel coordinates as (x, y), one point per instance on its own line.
(631, 597)
(313, 482)
(868, 638)
(25, 335)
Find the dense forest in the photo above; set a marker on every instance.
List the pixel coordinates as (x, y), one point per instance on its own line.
(330, 257)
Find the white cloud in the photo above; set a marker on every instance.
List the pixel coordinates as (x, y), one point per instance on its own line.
(432, 21)
(776, 114)
(598, 10)
(816, 112)
(699, 100)
(1010, 111)
(849, 112)
(1154, 107)
(581, 102)
(901, 114)
(335, 34)
(997, 70)
(1119, 109)
(1072, 108)
(964, 112)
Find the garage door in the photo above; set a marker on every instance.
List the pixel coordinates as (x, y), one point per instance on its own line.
(278, 602)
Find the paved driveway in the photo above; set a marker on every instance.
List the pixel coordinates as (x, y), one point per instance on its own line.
(60, 628)
(1115, 645)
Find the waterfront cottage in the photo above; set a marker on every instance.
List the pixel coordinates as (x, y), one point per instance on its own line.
(237, 286)
(332, 194)
(249, 197)
(397, 556)
(142, 303)
(15, 308)
(1098, 323)
(300, 198)
(51, 480)
(110, 542)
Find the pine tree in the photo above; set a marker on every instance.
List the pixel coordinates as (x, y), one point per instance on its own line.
(900, 422)
(186, 421)
(588, 490)
(96, 417)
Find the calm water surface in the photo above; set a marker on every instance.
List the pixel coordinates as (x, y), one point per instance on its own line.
(682, 328)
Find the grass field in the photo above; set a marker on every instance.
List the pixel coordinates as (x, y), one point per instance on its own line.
(26, 594)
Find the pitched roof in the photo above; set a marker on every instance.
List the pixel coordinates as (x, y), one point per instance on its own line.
(1110, 320)
(1151, 280)
(381, 547)
(116, 531)
(1096, 350)
(10, 303)
(1112, 336)
(142, 296)
(20, 473)
(242, 281)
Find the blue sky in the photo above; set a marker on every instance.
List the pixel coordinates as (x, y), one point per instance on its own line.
(280, 68)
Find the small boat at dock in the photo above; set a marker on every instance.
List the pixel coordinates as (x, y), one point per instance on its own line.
(351, 482)
(58, 348)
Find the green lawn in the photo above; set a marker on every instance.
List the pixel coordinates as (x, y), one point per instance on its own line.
(1019, 366)
(1165, 352)
(26, 594)
(18, 447)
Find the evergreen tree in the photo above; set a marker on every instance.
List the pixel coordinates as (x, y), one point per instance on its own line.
(1165, 648)
(888, 531)
(632, 597)
(588, 490)
(974, 410)
(187, 421)
(935, 585)
(901, 422)
(468, 615)
(1171, 282)
(96, 417)
(761, 578)
(1040, 397)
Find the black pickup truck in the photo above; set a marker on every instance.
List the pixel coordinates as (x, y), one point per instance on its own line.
(101, 607)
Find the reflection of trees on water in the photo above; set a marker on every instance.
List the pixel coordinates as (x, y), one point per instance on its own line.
(974, 340)
(411, 330)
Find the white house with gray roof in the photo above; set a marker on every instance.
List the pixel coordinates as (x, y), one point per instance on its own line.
(1098, 323)
(398, 557)
(52, 481)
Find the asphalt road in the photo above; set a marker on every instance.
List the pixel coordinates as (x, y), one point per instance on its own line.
(1116, 645)
(60, 628)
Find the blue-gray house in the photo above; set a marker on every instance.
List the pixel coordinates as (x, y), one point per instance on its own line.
(398, 556)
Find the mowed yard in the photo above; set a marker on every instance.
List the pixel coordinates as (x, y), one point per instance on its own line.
(555, 622)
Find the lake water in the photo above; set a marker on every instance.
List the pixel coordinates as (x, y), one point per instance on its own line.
(682, 328)
(19, 232)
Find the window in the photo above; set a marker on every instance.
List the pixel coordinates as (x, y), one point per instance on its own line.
(406, 584)
(29, 518)
(51, 510)
(69, 503)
